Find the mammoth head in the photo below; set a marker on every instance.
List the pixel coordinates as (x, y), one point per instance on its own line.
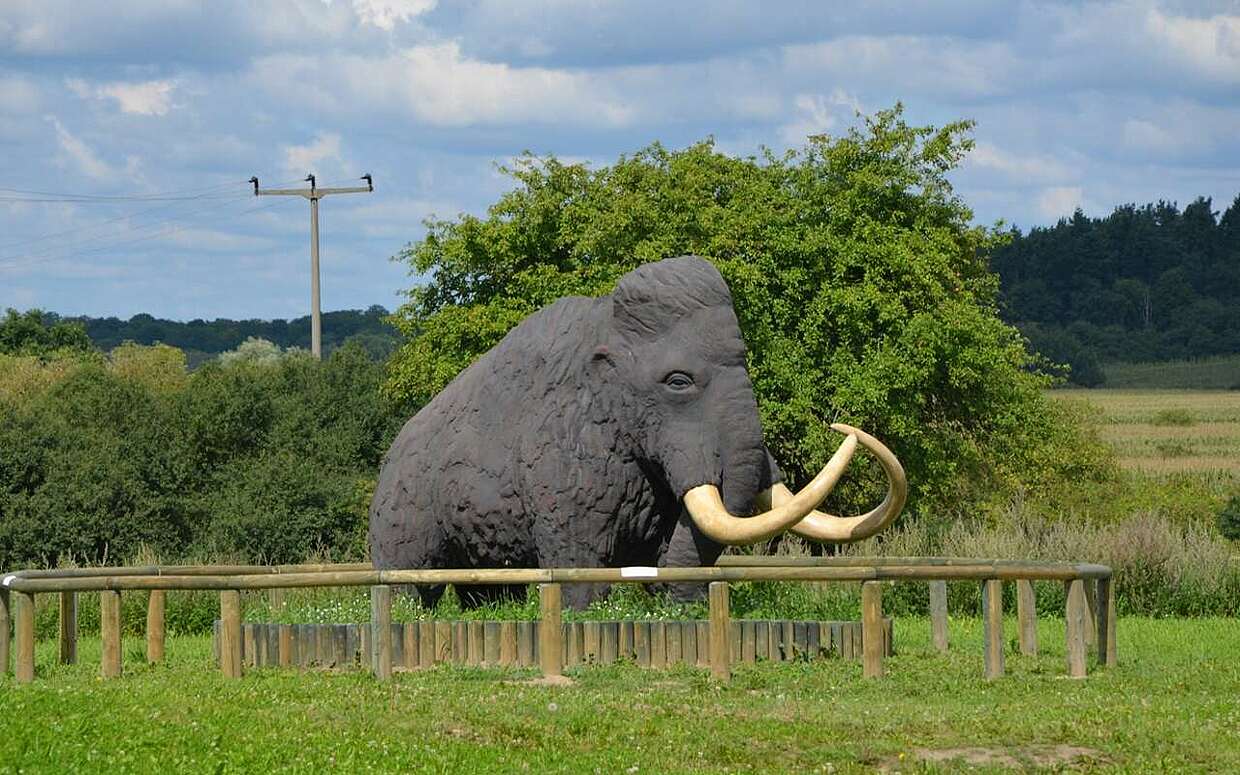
(675, 350)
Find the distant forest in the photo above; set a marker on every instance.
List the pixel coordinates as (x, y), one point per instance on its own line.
(1147, 283)
(202, 339)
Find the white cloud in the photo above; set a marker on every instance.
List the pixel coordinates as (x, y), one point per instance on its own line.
(143, 98)
(1212, 45)
(440, 87)
(816, 114)
(322, 154)
(385, 14)
(1059, 201)
(17, 95)
(1016, 167)
(81, 154)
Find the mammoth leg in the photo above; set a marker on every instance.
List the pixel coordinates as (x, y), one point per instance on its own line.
(429, 594)
(579, 596)
(688, 547)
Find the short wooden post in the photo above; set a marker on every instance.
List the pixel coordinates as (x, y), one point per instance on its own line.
(110, 631)
(381, 631)
(938, 614)
(1076, 620)
(156, 606)
(23, 615)
(491, 644)
(68, 628)
(230, 633)
(286, 645)
(508, 643)
(592, 637)
(1091, 612)
(658, 644)
(992, 627)
(641, 643)
(871, 629)
(475, 642)
(720, 631)
(6, 627)
(443, 642)
(550, 629)
(1027, 617)
(1107, 652)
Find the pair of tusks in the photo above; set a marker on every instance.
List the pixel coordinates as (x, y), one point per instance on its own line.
(782, 510)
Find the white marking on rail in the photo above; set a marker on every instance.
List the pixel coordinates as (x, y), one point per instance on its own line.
(639, 572)
(8, 579)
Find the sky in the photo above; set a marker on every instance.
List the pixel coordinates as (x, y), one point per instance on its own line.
(128, 129)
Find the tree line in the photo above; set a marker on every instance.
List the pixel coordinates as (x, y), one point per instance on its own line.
(1148, 283)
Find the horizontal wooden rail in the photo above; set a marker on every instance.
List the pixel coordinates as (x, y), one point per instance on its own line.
(639, 575)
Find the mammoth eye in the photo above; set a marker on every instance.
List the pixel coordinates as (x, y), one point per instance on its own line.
(678, 380)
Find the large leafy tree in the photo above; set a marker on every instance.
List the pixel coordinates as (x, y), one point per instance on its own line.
(862, 289)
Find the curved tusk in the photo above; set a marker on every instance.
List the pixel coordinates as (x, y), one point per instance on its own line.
(820, 526)
(706, 507)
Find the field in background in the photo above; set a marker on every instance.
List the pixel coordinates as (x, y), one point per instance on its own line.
(1220, 373)
(1166, 431)
(1169, 706)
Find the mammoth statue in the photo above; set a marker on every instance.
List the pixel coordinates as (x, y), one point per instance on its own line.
(604, 432)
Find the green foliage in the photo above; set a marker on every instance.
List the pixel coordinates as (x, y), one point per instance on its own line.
(202, 338)
(861, 288)
(1174, 416)
(1146, 283)
(259, 461)
(36, 333)
(1229, 519)
(1217, 373)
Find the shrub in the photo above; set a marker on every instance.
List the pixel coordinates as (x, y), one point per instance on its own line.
(1229, 519)
(1176, 415)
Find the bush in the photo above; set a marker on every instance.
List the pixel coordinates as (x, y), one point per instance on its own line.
(1175, 416)
(1229, 519)
(861, 287)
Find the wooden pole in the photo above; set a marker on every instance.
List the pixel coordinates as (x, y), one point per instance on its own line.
(992, 627)
(68, 628)
(1107, 652)
(381, 631)
(230, 633)
(110, 631)
(871, 629)
(155, 608)
(6, 626)
(720, 631)
(508, 643)
(1027, 617)
(23, 614)
(1076, 621)
(550, 630)
(286, 645)
(1091, 612)
(938, 614)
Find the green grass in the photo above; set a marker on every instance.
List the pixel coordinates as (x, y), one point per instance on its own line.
(1169, 706)
(1219, 373)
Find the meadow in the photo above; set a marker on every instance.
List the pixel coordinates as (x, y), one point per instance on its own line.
(1169, 706)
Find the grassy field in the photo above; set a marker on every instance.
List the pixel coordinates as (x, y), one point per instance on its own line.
(1162, 431)
(1169, 706)
(1218, 373)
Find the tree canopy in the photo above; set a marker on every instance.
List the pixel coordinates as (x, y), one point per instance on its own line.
(1144, 283)
(862, 289)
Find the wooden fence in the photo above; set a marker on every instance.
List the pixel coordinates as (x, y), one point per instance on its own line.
(1089, 615)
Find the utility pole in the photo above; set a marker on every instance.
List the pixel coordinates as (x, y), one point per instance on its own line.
(314, 194)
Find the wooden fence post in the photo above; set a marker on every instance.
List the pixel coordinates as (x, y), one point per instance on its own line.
(550, 630)
(720, 631)
(938, 614)
(1107, 653)
(1091, 612)
(155, 608)
(381, 631)
(230, 633)
(68, 628)
(23, 615)
(110, 632)
(6, 626)
(992, 626)
(1076, 624)
(1027, 617)
(871, 629)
